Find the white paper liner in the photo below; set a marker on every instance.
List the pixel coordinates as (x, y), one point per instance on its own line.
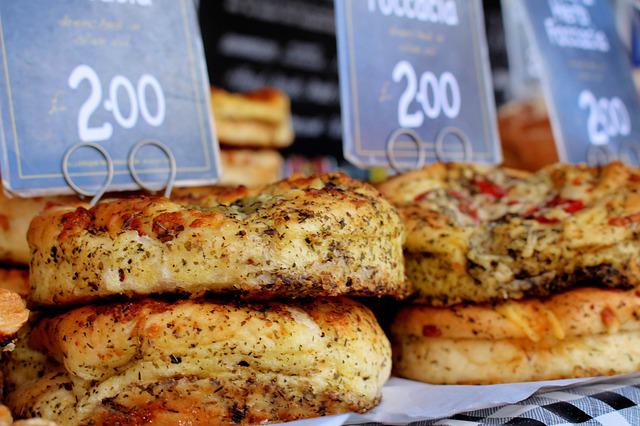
(406, 401)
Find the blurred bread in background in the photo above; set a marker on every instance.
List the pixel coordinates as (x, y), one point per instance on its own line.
(15, 280)
(15, 215)
(526, 135)
(258, 119)
(250, 167)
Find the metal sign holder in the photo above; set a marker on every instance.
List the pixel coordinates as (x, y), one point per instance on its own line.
(599, 155)
(99, 193)
(439, 152)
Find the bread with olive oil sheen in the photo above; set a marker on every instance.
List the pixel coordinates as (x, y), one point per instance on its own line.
(580, 333)
(328, 235)
(486, 234)
(13, 315)
(15, 215)
(200, 362)
(258, 119)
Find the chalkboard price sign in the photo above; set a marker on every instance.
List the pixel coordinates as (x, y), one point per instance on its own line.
(415, 83)
(586, 75)
(111, 73)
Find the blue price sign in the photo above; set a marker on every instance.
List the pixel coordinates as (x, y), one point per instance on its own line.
(103, 72)
(586, 75)
(415, 73)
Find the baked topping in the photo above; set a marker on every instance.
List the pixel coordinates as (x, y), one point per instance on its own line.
(478, 233)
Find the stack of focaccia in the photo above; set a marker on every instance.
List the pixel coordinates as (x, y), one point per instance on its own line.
(251, 127)
(15, 215)
(219, 306)
(519, 276)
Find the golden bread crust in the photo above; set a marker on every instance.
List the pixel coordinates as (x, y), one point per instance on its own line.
(13, 315)
(253, 168)
(7, 420)
(487, 234)
(201, 361)
(15, 216)
(259, 119)
(211, 196)
(581, 332)
(321, 236)
(579, 312)
(5, 416)
(526, 135)
(17, 213)
(34, 422)
(15, 280)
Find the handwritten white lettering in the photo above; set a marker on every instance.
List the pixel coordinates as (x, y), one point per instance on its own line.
(435, 11)
(570, 26)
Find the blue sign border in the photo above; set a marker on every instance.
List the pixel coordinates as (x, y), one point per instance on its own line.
(349, 94)
(198, 72)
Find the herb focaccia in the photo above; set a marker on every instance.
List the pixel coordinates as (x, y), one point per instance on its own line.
(199, 362)
(482, 234)
(320, 236)
(15, 280)
(13, 315)
(253, 168)
(258, 119)
(15, 215)
(14, 287)
(579, 333)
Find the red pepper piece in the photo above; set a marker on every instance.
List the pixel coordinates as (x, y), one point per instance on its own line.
(463, 205)
(422, 196)
(555, 202)
(545, 220)
(573, 206)
(487, 187)
(625, 220)
(568, 205)
(468, 210)
(457, 195)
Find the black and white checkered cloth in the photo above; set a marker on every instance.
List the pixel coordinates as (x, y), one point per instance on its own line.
(609, 404)
(604, 404)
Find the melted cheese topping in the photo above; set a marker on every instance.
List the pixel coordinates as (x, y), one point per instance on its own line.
(556, 327)
(518, 316)
(520, 234)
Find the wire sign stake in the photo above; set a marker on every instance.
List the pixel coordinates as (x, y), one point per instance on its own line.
(98, 193)
(439, 151)
(172, 166)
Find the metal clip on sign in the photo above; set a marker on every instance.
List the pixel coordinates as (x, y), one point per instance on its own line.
(630, 153)
(98, 193)
(172, 166)
(440, 153)
(67, 176)
(599, 155)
